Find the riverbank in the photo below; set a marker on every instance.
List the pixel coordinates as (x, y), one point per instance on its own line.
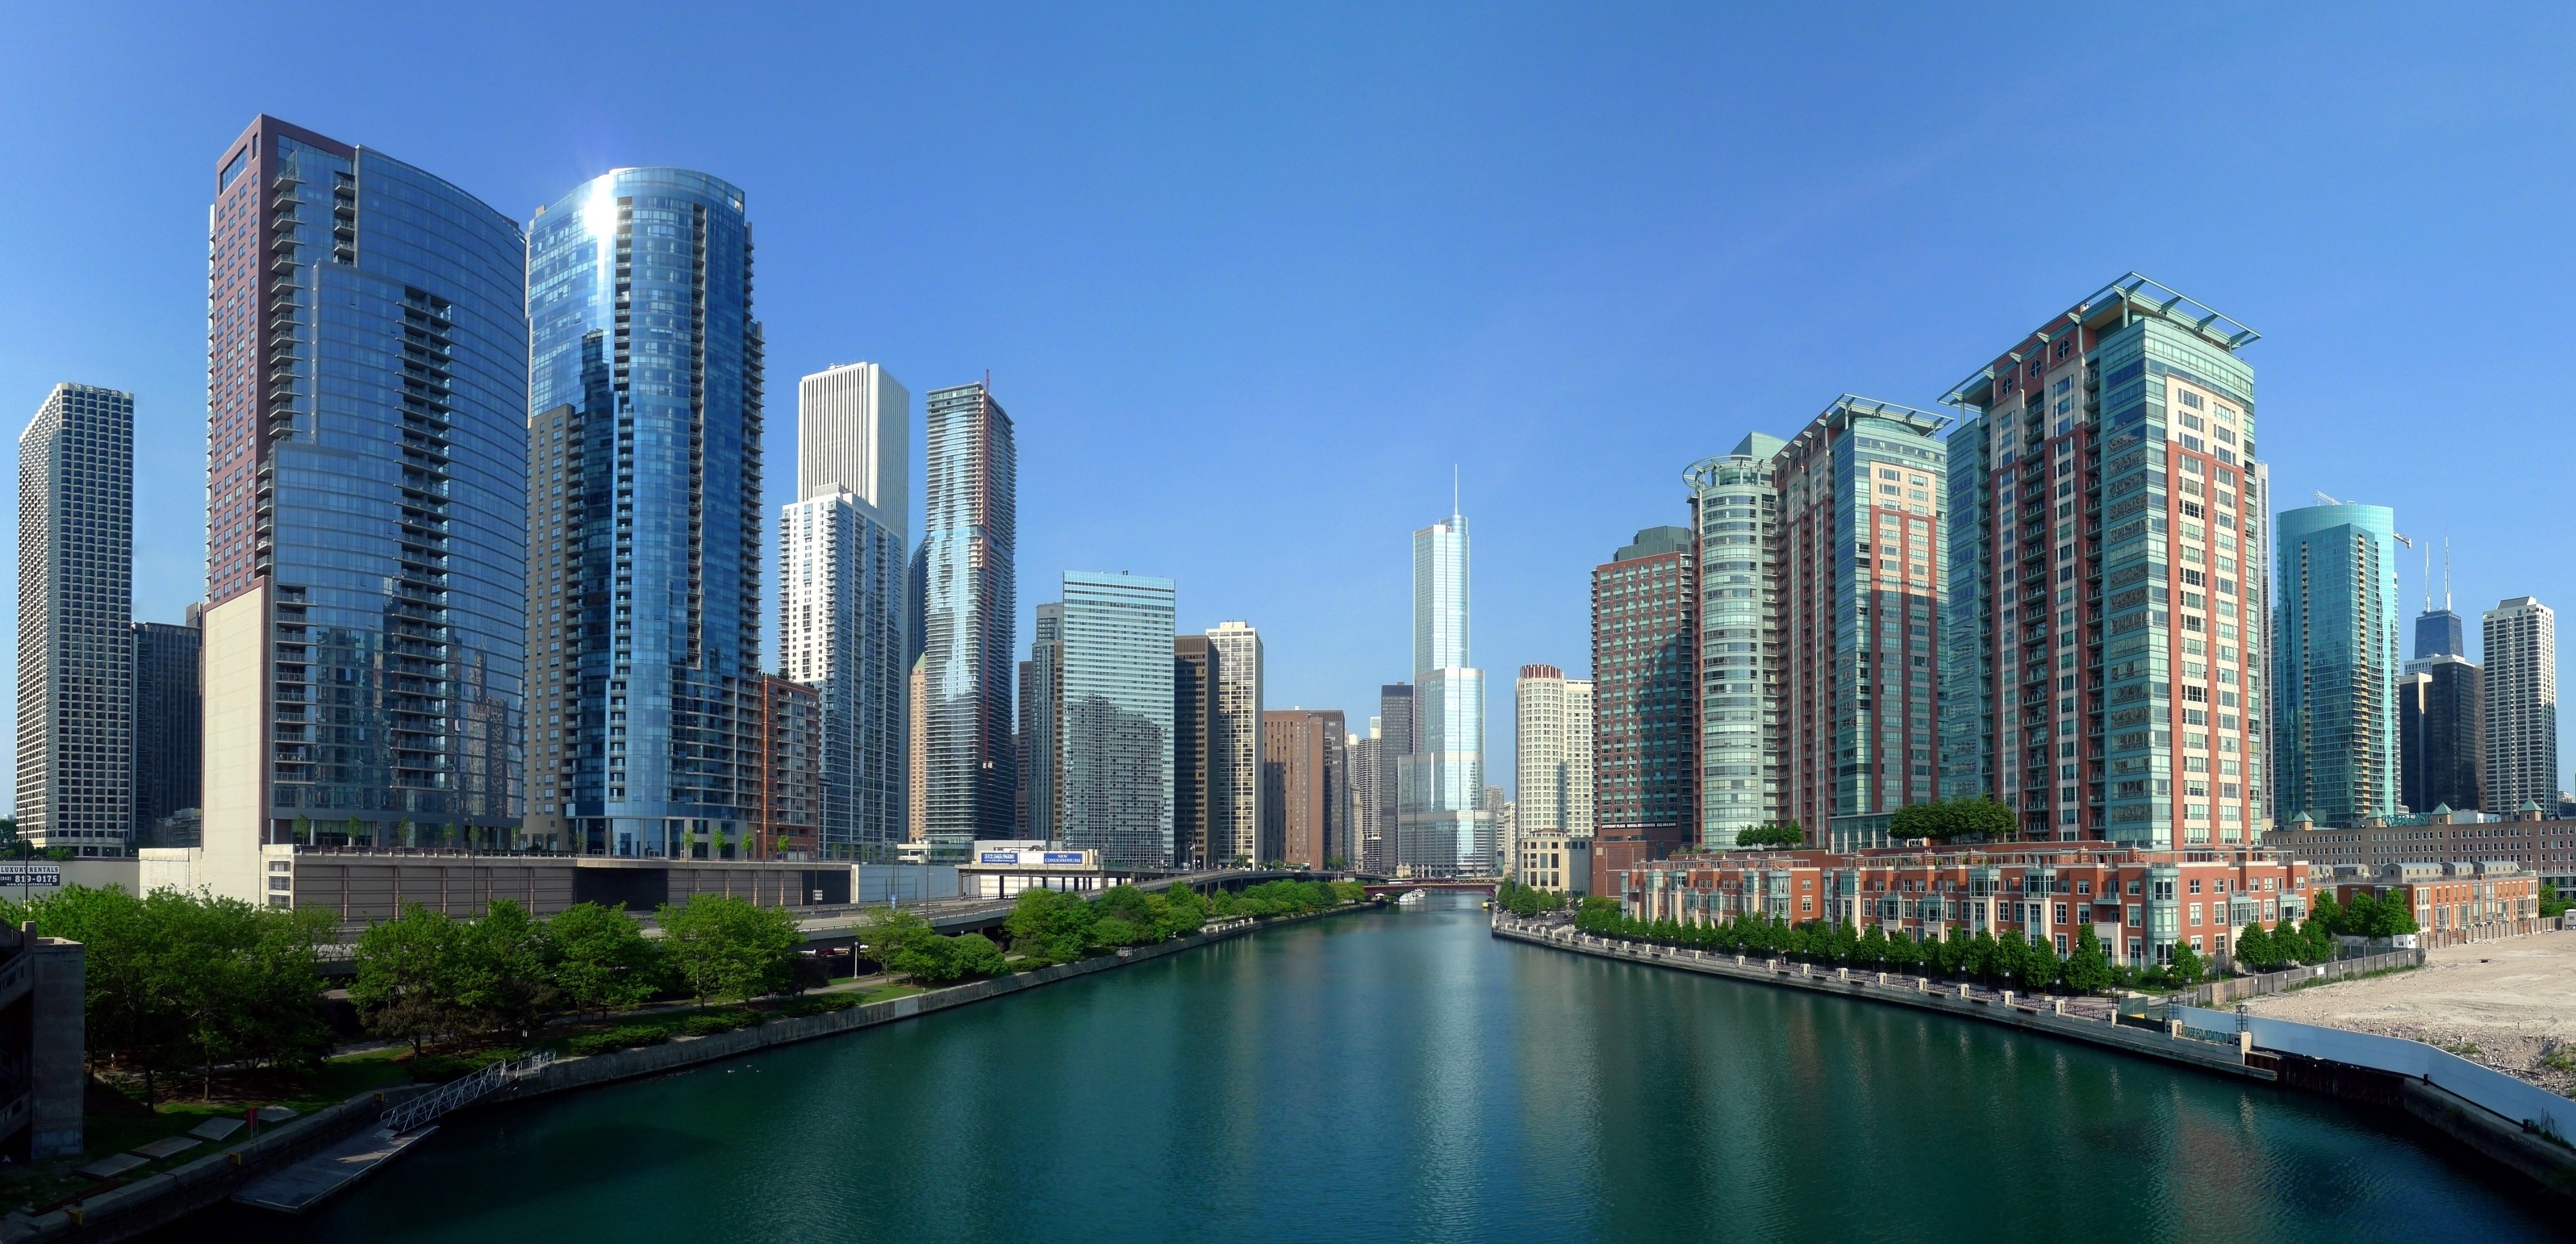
(2515, 1126)
(569, 1074)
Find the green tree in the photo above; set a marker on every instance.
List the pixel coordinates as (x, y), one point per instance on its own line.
(602, 960)
(1051, 926)
(2088, 970)
(899, 940)
(2186, 968)
(2551, 905)
(2255, 949)
(1773, 834)
(510, 962)
(724, 947)
(413, 973)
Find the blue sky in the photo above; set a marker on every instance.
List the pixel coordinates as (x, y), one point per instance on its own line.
(1252, 279)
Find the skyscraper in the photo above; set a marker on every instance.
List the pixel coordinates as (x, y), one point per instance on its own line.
(2441, 712)
(75, 611)
(784, 719)
(1442, 828)
(1860, 570)
(366, 621)
(169, 721)
(646, 386)
(970, 604)
(1236, 788)
(2335, 657)
(2106, 557)
(1740, 753)
(1041, 729)
(1304, 781)
(1394, 743)
(2521, 705)
(1552, 753)
(1368, 798)
(1645, 627)
(842, 608)
(1193, 749)
(1114, 720)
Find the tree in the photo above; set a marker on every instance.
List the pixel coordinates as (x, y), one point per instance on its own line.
(602, 960)
(510, 964)
(413, 972)
(1773, 834)
(2255, 949)
(2551, 906)
(1051, 926)
(2186, 967)
(724, 947)
(2088, 970)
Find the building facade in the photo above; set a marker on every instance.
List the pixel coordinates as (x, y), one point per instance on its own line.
(1552, 753)
(2106, 616)
(1394, 743)
(1235, 789)
(841, 600)
(1736, 506)
(76, 678)
(1442, 827)
(969, 602)
(646, 382)
(1860, 574)
(2521, 694)
(1193, 750)
(1041, 780)
(2336, 662)
(1645, 634)
(790, 801)
(1305, 780)
(2441, 718)
(1368, 798)
(366, 621)
(1114, 718)
(169, 713)
(2543, 846)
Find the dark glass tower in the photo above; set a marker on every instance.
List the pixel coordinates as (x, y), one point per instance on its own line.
(969, 613)
(645, 399)
(2441, 718)
(366, 497)
(169, 714)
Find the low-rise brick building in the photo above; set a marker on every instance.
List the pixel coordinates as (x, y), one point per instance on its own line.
(2545, 847)
(2139, 904)
(2453, 903)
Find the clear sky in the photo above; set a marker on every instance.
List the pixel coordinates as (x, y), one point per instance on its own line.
(1252, 279)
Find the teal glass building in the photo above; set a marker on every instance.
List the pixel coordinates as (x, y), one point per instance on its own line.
(646, 389)
(2336, 663)
(1114, 717)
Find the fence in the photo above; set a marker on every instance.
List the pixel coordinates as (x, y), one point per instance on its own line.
(2234, 989)
(2530, 1105)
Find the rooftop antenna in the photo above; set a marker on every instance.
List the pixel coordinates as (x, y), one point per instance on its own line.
(1453, 490)
(2446, 572)
(2428, 571)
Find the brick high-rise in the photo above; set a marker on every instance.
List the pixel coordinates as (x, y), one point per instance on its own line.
(1645, 628)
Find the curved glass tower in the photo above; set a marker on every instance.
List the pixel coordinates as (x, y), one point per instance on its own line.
(367, 477)
(2334, 641)
(645, 392)
(1737, 512)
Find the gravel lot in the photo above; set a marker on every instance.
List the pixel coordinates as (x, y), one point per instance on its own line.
(2510, 1004)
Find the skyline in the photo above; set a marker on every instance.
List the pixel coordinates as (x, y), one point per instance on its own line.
(1416, 282)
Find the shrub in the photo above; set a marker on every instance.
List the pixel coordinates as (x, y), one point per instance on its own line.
(628, 1036)
(709, 1023)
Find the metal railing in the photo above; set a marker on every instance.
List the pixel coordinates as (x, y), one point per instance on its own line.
(406, 1116)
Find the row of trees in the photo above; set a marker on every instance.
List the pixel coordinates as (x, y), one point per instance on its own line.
(2004, 960)
(177, 983)
(1054, 926)
(1521, 900)
(1949, 820)
(425, 975)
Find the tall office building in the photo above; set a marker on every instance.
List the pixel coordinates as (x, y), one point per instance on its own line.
(2441, 714)
(917, 766)
(1740, 757)
(784, 719)
(646, 382)
(1236, 788)
(1114, 718)
(1645, 628)
(2106, 556)
(1193, 749)
(2335, 657)
(2521, 705)
(1041, 782)
(1442, 827)
(366, 621)
(1368, 796)
(841, 599)
(970, 604)
(1552, 753)
(1507, 844)
(1394, 743)
(1305, 785)
(169, 721)
(75, 614)
(1860, 570)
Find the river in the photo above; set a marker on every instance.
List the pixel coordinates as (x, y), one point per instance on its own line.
(1402, 1075)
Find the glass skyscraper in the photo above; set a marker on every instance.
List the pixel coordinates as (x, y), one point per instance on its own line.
(2336, 659)
(969, 600)
(645, 399)
(1739, 640)
(366, 498)
(1114, 717)
(1442, 829)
